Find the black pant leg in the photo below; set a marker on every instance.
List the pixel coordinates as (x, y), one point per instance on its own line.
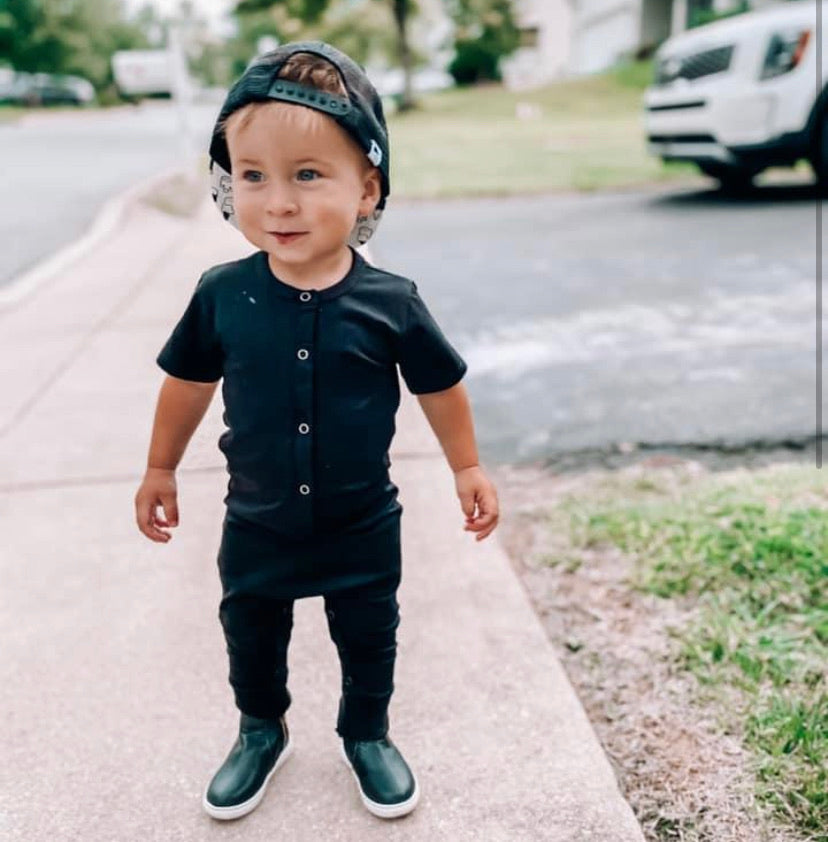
(257, 633)
(362, 622)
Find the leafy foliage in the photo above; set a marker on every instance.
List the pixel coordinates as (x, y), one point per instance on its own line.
(72, 36)
(486, 32)
(701, 16)
(363, 29)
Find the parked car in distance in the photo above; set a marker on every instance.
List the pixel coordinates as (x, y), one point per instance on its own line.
(742, 94)
(143, 73)
(7, 86)
(44, 89)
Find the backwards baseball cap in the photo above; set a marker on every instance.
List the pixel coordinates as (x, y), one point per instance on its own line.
(359, 113)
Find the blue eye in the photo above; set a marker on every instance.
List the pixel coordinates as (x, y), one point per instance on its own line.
(252, 175)
(306, 179)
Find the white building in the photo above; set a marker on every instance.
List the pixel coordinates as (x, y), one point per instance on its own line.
(546, 47)
(565, 38)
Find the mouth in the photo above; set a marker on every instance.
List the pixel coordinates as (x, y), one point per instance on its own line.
(287, 236)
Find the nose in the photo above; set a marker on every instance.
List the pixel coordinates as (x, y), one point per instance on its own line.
(280, 199)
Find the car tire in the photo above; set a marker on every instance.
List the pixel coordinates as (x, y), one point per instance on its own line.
(733, 180)
(819, 154)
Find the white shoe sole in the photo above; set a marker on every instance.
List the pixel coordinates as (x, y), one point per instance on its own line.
(383, 811)
(238, 810)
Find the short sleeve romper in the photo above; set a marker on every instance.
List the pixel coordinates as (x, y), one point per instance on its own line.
(310, 392)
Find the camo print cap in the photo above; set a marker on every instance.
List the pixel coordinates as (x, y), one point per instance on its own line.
(359, 113)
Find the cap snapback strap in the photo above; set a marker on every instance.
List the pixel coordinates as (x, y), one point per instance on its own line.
(304, 95)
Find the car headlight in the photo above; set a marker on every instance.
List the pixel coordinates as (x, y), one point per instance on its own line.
(784, 52)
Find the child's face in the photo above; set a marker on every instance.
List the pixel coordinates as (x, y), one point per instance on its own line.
(296, 173)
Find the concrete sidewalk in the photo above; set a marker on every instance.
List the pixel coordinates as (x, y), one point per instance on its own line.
(116, 706)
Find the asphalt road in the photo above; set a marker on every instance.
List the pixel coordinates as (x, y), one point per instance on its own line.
(63, 166)
(654, 318)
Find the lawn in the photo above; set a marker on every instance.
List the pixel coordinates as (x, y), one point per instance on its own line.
(10, 112)
(582, 134)
(748, 556)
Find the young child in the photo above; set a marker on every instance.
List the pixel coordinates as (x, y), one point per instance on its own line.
(306, 336)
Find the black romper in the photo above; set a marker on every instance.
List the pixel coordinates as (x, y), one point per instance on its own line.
(310, 391)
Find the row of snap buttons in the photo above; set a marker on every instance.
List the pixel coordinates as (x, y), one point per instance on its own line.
(302, 353)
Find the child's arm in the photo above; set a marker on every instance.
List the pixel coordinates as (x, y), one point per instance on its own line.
(449, 414)
(181, 406)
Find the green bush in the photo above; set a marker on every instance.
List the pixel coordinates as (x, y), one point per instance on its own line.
(700, 17)
(485, 32)
(474, 61)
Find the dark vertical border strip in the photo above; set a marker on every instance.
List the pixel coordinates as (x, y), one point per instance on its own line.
(820, 181)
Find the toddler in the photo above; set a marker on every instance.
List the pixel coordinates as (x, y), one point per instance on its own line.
(306, 336)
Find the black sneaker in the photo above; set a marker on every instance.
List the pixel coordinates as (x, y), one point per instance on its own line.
(386, 784)
(239, 785)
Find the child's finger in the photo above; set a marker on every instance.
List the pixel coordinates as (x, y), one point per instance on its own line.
(170, 511)
(147, 523)
(467, 503)
(485, 532)
(486, 520)
(481, 523)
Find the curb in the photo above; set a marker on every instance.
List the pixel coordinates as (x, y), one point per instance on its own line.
(107, 220)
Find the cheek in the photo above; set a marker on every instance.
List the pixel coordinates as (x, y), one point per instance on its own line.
(244, 204)
(339, 207)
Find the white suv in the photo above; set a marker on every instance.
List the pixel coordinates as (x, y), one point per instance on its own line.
(742, 94)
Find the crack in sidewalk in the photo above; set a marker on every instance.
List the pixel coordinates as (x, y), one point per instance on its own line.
(119, 479)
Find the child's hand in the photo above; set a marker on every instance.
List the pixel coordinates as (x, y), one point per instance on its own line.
(157, 489)
(473, 486)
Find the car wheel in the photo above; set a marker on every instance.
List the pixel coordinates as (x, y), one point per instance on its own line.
(819, 154)
(733, 180)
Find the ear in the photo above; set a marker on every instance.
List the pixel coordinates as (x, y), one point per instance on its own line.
(371, 192)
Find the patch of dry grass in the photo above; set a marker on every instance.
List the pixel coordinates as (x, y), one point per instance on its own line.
(680, 747)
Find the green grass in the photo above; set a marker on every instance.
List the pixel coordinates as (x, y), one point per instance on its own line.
(752, 556)
(10, 112)
(469, 141)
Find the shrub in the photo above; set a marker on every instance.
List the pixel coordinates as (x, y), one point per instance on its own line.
(473, 62)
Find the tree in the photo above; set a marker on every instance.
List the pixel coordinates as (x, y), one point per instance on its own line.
(73, 36)
(485, 33)
(312, 13)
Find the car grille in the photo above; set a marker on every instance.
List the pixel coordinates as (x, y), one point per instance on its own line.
(681, 138)
(693, 66)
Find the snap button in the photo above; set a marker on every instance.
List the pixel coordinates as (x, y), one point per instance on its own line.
(302, 354)
(304, 489)
(304, 296)
(303, 428)
(348, 681)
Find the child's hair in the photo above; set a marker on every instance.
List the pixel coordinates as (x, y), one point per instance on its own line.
(314, 71)
(306, 69)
